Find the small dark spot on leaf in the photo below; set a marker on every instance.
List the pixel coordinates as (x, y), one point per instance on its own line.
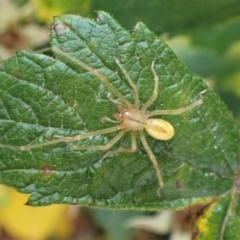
(18, 74)
(52, 26)
(46, 170)
(28, 204)
(169, 154)
(59, 28)
(99, 19)
(179, 186)
(135, 29)
(25, 110)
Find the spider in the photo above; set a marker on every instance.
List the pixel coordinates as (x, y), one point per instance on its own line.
(128, 118)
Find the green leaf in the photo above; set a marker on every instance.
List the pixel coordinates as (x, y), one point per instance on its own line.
(43, 98)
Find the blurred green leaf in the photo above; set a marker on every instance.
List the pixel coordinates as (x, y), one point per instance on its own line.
(170, 16)
(218, 37)
(42, 98)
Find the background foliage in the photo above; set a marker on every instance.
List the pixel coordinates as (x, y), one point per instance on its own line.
(206, 37)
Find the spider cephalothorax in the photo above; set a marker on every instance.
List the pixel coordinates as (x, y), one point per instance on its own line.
(132, 119)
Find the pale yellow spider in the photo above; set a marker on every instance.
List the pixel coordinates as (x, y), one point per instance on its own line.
(128, 118)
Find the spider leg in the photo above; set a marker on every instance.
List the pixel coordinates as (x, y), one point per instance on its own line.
(152, 158)
(133, 85)
(102, 147)
(179, 110)
(107, 119)
(102, 77)
(110, 144)
(116, 102)
(63, 139)
(175, 111)
(155, 90)
(124, 150)
(133, 145)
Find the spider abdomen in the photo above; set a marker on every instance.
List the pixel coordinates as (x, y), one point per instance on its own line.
(159, 129)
